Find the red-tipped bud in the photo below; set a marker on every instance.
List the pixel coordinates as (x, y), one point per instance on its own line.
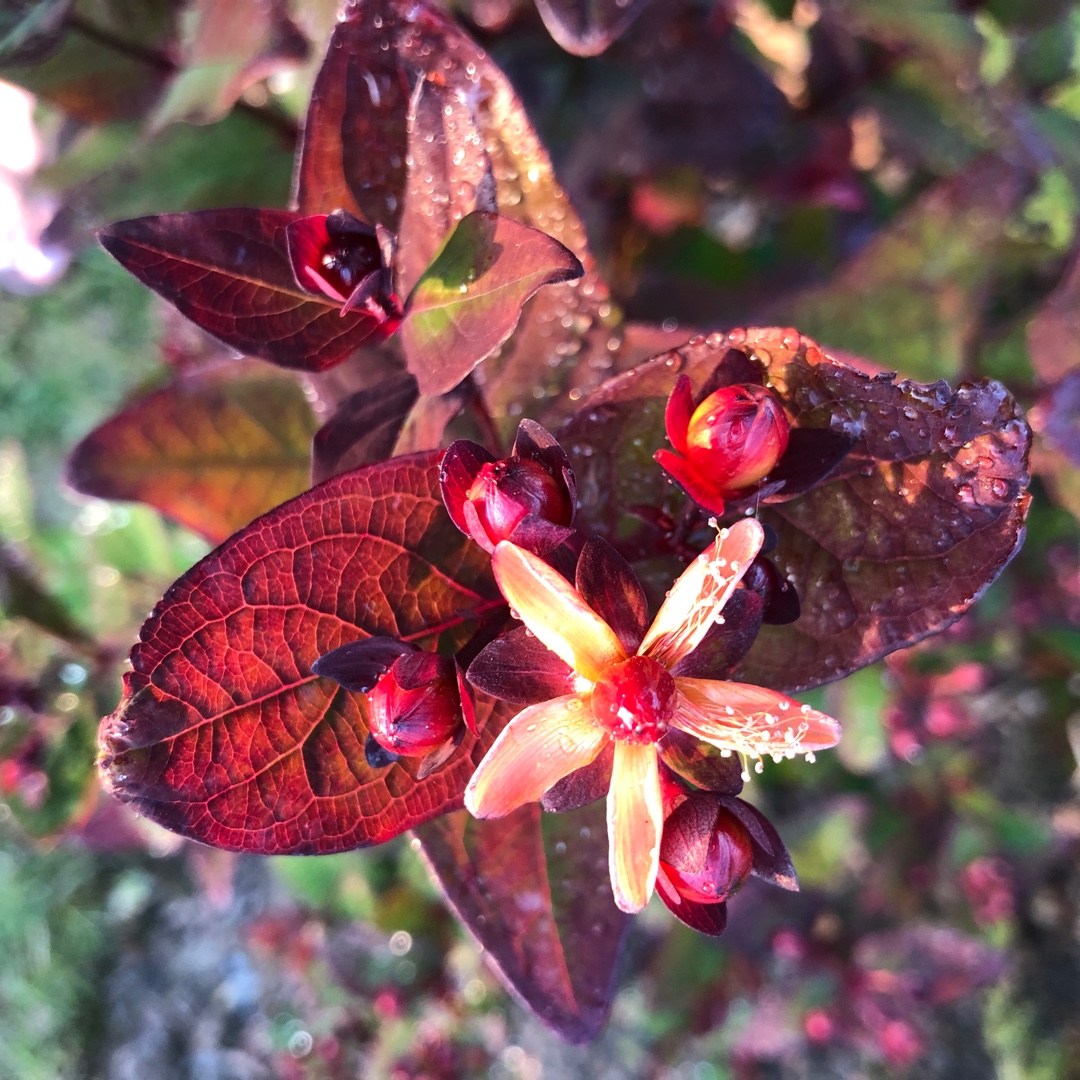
(705, 852)
(529, 497)
(506, 492)
(415, 708)
(728, 443)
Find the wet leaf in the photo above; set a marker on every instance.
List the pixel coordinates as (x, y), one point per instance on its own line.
(468, 301)
(449, 176)
(922, 514)
(533, 889)
(229, 272)
(211, 451)
(224, 734)
(365, 427)
(588, 27)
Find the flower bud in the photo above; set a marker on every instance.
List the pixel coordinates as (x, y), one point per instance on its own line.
(505, 492)
(528, 497)
(415, 708)
(705, 851)
(726, 444)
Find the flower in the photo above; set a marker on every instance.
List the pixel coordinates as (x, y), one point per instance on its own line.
(726, 444)
(625, 691)
(528, 497)
(418, 705)
(348, 261)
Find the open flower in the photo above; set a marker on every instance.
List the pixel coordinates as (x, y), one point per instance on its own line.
(625, 691)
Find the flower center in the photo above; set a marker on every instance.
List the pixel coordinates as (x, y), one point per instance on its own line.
(635, 700)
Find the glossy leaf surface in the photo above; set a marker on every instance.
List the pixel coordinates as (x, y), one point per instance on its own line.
(921, 516)
(533, 889)
(468, 301)
(229, 272)
(212, 452)
(588, 27)
(224, 734)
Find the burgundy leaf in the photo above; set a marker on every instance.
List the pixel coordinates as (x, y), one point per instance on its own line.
(533, 889)
(588, 27)
(903, 536)
(449, 176)
(229, 272)
(224, 733)
(583, 786)
(772, 862)
(518, 668)
(365, 427)
(468, 301)
(611, 588)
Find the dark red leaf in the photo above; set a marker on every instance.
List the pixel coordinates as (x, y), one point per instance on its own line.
(225, 735)
(772, 862)
(919, 517)
(468, 301)
(229, 272)
(449, 176)
(703, 765)
(518, 668)
(610, 586)
(211, 450)
(533, 889)
(588, 27)
(364, 428)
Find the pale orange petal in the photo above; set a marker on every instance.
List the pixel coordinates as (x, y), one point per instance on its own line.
(540, 746)
(751, 720)
(698, 597)
(635, 817)
(555, 612)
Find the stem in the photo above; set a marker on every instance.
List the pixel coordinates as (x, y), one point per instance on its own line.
(484, 418)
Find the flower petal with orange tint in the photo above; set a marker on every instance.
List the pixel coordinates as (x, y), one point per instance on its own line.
(555, 612)
(751, 719)
(540, 746)
(635, 818)
(699, 596)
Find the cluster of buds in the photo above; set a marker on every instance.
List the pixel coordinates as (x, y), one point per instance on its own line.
(528, 498)
(340, 257)
(418, 706)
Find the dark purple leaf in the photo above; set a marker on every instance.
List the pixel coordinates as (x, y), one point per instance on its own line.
(726, 643)
(357, 665)
(533, 889)
(611, 588)
(772, 862)
(919, 517)
(518, 668)
(583, 786)
(229, 272)
(364, 429)
(468, 301)
(703, 765)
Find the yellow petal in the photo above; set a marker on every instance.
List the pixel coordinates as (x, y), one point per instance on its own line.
(751, 720)
(699, 596)
(635, 817)
(540, 746)
(555, 612)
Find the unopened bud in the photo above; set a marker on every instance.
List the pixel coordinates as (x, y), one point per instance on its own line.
(415, 707)
(705, 851)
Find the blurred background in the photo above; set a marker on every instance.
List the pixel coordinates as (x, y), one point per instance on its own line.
(901, 182)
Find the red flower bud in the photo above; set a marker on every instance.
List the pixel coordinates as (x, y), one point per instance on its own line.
(705, 851)
(726, 444)
(529, 497)
(505, 492)
(415, 708)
